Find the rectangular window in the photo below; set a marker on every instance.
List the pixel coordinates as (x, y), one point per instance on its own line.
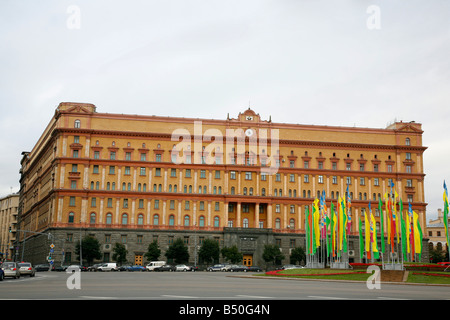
(248, 175)
(233, 175)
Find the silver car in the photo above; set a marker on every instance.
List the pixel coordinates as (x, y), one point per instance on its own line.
(11, 269)
(25, 268)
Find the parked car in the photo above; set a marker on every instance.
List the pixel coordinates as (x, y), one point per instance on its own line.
(94, 267)
(75, 267)
(136, 268)
(2, 274)
(216, 267)
(25, 268)
(254, 269)
(193, 268)
(182, 267)
(11, 269)
(41, 267)
(291, 266)
(124, 267)
(236, 268)
(154, 264)
(59, 268)
(166, 267)
(110, 266)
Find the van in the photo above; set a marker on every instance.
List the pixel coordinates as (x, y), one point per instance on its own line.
(110, 266)
(154, 264)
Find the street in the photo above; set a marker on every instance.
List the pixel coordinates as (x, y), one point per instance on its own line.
(201, 286)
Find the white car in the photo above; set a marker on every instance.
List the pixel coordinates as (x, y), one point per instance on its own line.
(11, 269)
(111, 266)
(25, 268)
(182, 267)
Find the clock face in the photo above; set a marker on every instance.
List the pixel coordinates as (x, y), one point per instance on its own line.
(248, 132)
(249, 118)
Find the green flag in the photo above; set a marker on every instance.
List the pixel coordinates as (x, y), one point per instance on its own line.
(380, 208)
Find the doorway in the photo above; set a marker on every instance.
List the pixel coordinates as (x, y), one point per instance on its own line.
(248, 260)
(138, 259)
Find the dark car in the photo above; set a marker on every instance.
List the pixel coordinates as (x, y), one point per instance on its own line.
(124, 267)
(42, 267)
(254, 269)
(136, 268)
(94, 267)
(216, 267)
(166, 267)
(238, 268)
(2, 275)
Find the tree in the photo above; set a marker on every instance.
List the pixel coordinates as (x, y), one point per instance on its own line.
(209, 251)
(297, 255)
(178, 252)
(90, 249)
(120, 253)
(272, 254)
(232, 254)
(153, 251)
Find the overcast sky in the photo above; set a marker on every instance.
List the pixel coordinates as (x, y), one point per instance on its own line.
(337, 63)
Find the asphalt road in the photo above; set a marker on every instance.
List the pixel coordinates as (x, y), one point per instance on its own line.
(198, 286)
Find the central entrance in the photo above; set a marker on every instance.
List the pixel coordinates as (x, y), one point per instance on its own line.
(248, 260)
(138, 259)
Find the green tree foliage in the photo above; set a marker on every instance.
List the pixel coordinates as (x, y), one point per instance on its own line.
(209, 251)
(272, 254)
(153, 251)
(297, 255)
(232, 254)
(178, 252)
(90, 249)
(120, 253)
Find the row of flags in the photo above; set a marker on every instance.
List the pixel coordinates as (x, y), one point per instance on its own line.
(446, 213)
(331, 226)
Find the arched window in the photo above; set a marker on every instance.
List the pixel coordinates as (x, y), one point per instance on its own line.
(216, 221)
(277, 223)
(108, 218)
(92, 218)
(292, 224)
(140, 219)
(201, 221)
(124, 219)
(245, 223)
(156, 220)
(77, 124)
(187, 221)
(71, 217)
(171, 220)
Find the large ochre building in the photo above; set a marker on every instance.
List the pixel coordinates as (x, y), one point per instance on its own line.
(242, 181)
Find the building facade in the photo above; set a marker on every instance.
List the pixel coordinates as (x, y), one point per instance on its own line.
(8, 226)
(436, 232)
(243, 181)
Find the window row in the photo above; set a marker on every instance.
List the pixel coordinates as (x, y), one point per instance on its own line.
(124, 219)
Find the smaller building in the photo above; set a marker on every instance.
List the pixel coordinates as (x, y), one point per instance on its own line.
(8, 225)
(436, 232)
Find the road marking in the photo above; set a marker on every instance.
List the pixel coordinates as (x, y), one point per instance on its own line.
(390, 298)
(181, 297)
(327, 298)
(95, 297)
(257, 297)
